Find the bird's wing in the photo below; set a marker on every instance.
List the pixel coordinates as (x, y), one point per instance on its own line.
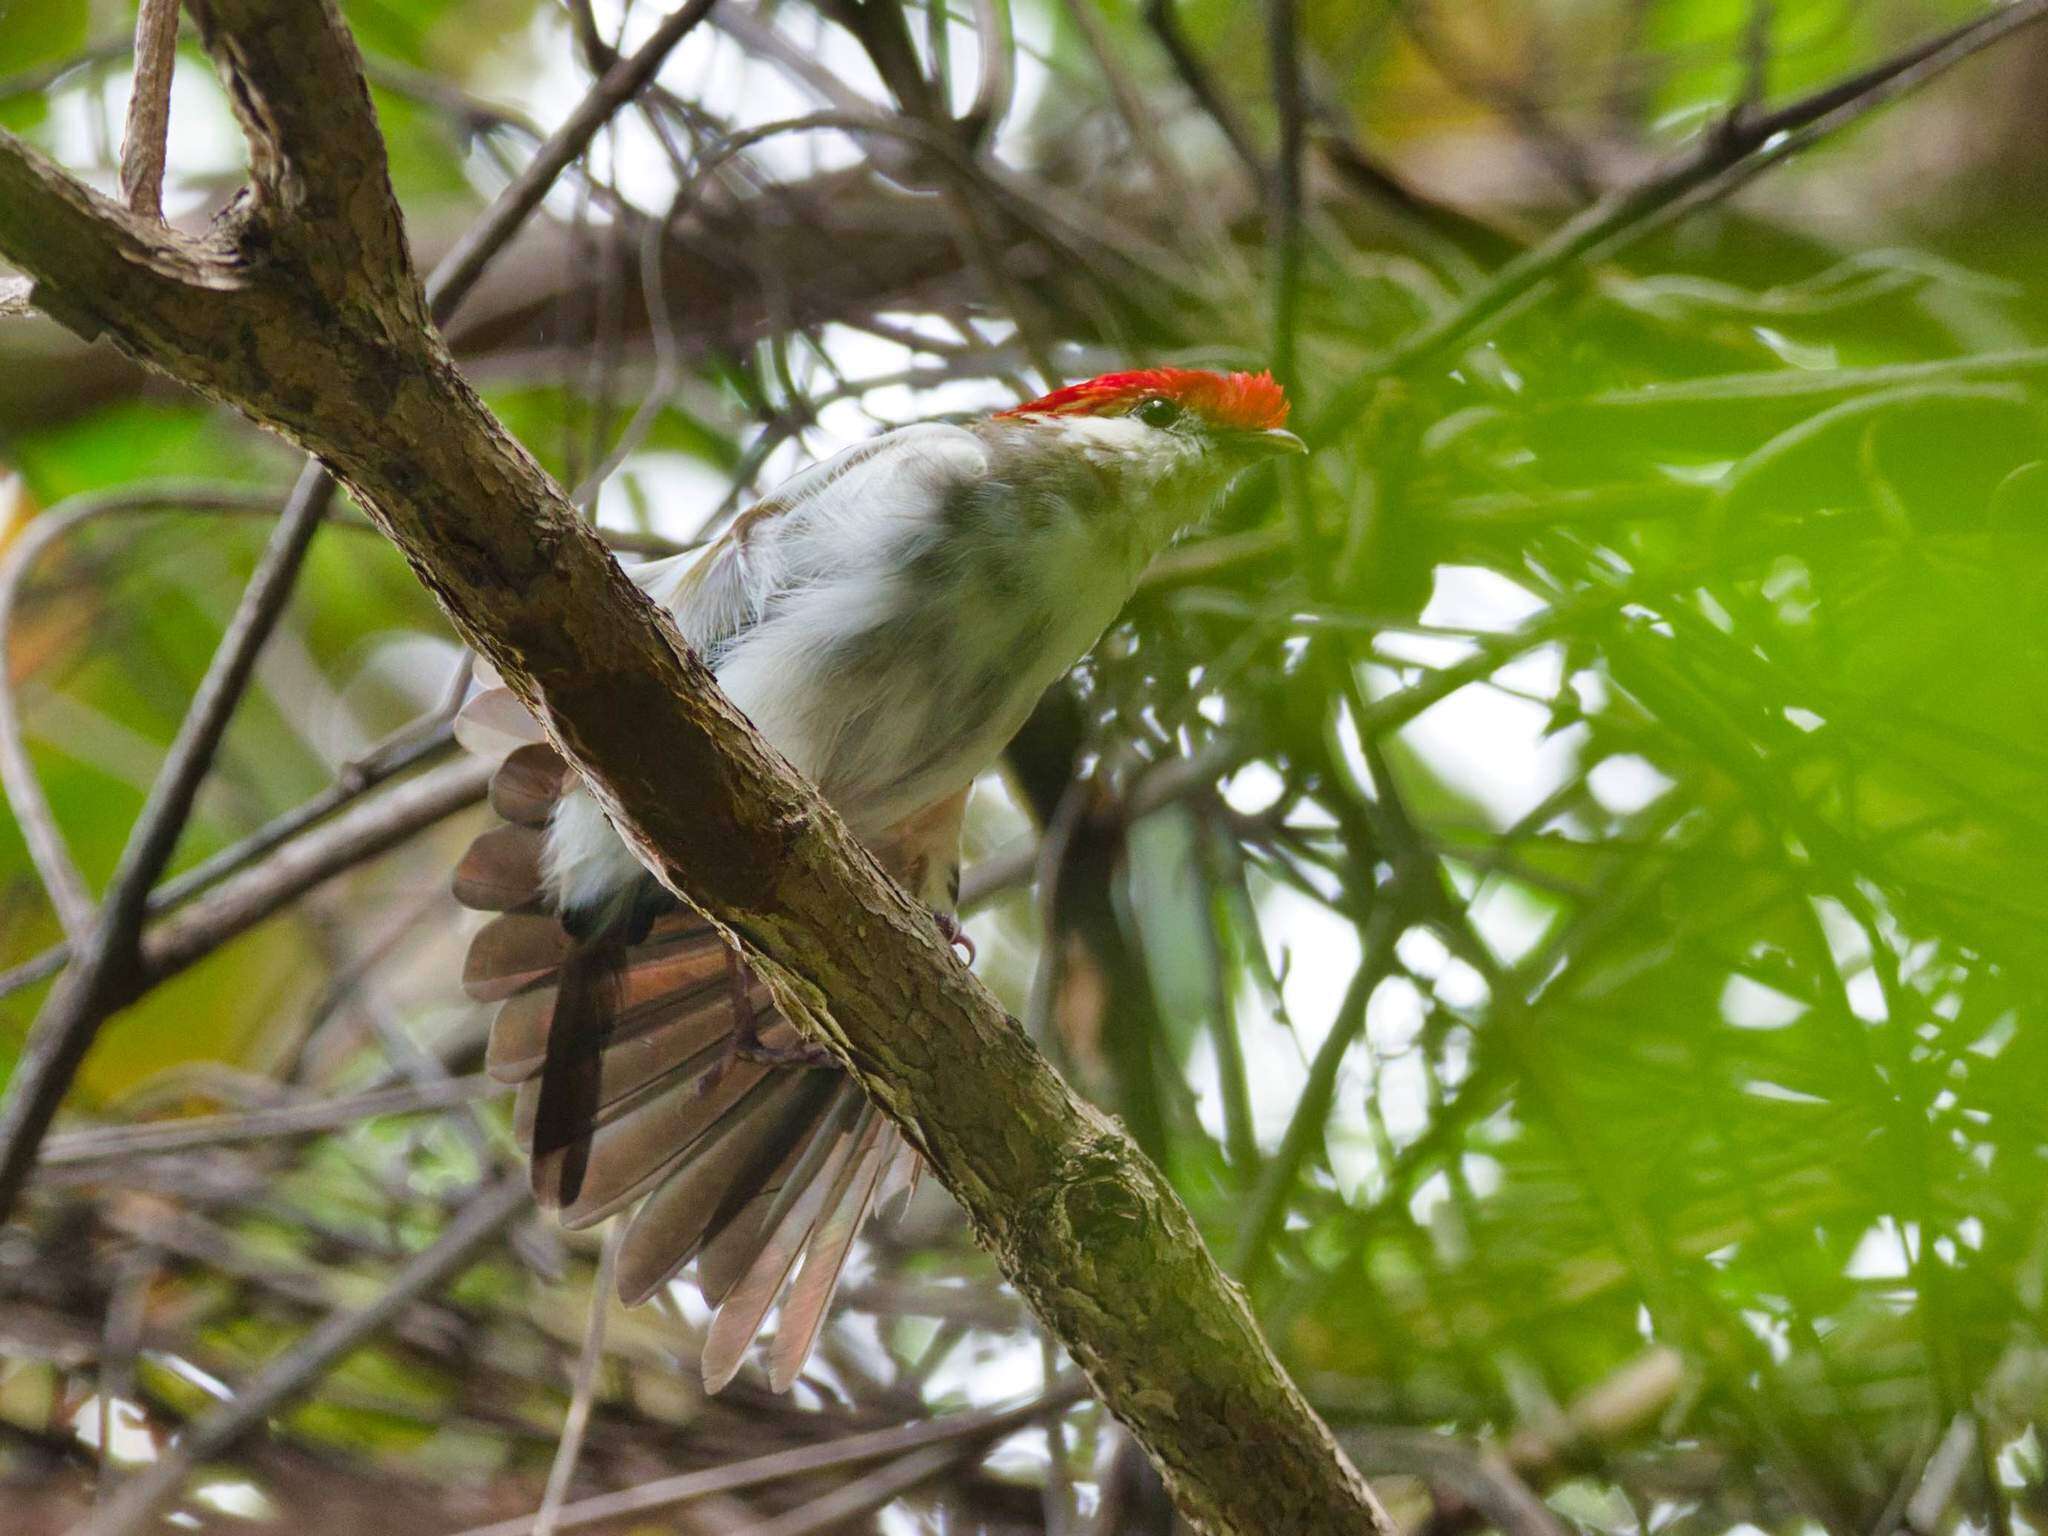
(795, 533)
(807, 524)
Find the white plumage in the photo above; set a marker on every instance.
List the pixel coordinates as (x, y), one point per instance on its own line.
(887, 619)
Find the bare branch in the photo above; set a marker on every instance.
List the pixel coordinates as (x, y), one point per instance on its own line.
(1283, 189)
(103, 960)
(111, 258)
(295, 867)
(1164, 20)
(849, 1450)
(1312, 1110)
(119, 1142)
(355, 780)
(1140, 121)
(583, 1387)
(1614, 1410)
(862, 1495)
(1481, 1479)
(463, 264)
(482, 1218)
(316, 158)
(149, 107)
(45, 840)
(33, 82)
(239, 904)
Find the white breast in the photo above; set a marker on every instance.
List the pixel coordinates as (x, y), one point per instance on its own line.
(888, 629)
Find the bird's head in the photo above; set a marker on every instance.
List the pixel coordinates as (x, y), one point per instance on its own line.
(1169, 438)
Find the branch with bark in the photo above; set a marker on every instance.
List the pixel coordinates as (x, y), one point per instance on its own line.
(301, 309)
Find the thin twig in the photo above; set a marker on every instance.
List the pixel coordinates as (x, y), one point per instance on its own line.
(1718, 161)
(849, 1450)
(64, 1029)
(120, 1341)
(583, 1389)
(1058, 1500)
(356, 779)
(365, 831)
(1283, 194)
(33, 82)
(1312, 1111)
(298, 866)
(996, 45)
(47, 849)
(863, 1495)
(1164, 21)
(149, 107)
(1796, 387)
(668, 352)
(1483, 1480)
(1283, 236)
(1140, 121)
(467, 258)
(296, 1370)
(1486, 239)
(123, 1142)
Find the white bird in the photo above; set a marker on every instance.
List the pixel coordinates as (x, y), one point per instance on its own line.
(887, 619)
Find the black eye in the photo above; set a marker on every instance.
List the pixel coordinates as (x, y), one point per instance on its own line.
(1158, 412)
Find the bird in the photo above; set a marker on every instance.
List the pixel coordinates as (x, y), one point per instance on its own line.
(887, 618)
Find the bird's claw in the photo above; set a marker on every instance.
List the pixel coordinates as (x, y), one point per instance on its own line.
(955, 935)
(770, 1040)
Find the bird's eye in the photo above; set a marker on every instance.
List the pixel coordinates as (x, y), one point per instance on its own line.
(1158, 412)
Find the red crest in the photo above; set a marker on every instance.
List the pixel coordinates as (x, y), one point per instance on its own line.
(1240, 402)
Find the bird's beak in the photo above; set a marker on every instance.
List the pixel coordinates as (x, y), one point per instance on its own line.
(1270, 444)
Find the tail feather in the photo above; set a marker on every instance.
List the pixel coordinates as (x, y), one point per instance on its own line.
(527, 785)
(571, 1070)
(502, 870)
(811, 1191)
(663, 998)
(737, 1249)
(495, 724)
(627, 1155)
(685, 1212)
(512, 952)
(648, 1064)
(824, 1257)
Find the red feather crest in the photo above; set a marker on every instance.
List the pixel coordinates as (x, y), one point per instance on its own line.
(1243, 402)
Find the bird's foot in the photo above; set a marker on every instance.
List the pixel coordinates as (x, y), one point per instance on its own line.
(780, 1045)
(758, 1035)
(955, 935)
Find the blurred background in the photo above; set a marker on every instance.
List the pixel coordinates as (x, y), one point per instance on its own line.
(1558, 883)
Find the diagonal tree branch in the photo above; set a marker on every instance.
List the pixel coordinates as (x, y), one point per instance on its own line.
(107, 972)
(110, 257)
(342, 363)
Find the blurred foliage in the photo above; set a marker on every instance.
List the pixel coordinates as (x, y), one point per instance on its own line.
(1617, 932)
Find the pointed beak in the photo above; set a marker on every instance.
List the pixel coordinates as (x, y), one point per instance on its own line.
(1271, 444)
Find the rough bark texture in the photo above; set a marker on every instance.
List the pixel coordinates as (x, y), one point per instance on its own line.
(301, 309)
